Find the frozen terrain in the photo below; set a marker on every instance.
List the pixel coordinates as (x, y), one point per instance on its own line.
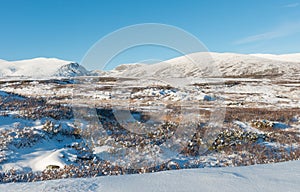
(217, 112)
(266, 178)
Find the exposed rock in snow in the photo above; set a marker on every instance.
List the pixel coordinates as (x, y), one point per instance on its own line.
(71, 70)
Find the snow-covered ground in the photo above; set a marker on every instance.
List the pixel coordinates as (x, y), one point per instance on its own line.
(265, 178)
(42, 117)
(29, 147)
(55, 147)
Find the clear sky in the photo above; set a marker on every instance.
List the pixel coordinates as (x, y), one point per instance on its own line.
(66, 29)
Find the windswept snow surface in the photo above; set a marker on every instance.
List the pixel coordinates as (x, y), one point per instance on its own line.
(294, 57)
(266, 178)
(40, 67)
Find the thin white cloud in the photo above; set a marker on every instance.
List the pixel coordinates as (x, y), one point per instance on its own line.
(292, 5)
(281, 31)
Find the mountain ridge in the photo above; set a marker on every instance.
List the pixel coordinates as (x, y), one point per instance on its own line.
(195, 65)
(209, 64)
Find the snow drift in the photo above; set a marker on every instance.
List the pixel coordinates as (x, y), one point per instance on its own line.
(268, 178)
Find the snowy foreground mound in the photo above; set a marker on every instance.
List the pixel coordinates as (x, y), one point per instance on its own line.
(269, 177)
(41, 67)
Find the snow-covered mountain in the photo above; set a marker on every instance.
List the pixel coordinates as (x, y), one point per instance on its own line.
(41, 67)
(71, 70)
(202, 64)
(208, 64)
(295, 57)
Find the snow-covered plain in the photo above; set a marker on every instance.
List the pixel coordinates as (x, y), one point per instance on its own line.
(265, 83)
(265, 178)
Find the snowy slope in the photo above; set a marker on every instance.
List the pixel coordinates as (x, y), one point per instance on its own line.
(193, 65)
(267, 178)
(295, 57)
(215, 64)
(40, 67)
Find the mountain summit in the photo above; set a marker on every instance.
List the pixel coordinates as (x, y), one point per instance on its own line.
(41, 67)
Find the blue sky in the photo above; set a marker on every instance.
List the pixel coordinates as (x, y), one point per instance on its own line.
(66, 29)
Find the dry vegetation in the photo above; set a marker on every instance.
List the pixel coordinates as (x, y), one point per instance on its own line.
(284, 115)
(232, 145)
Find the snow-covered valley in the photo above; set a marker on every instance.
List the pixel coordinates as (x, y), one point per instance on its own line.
(213, 113)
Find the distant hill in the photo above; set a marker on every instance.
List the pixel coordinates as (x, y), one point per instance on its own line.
(209, 64)
(41, 67)
(196, 65)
